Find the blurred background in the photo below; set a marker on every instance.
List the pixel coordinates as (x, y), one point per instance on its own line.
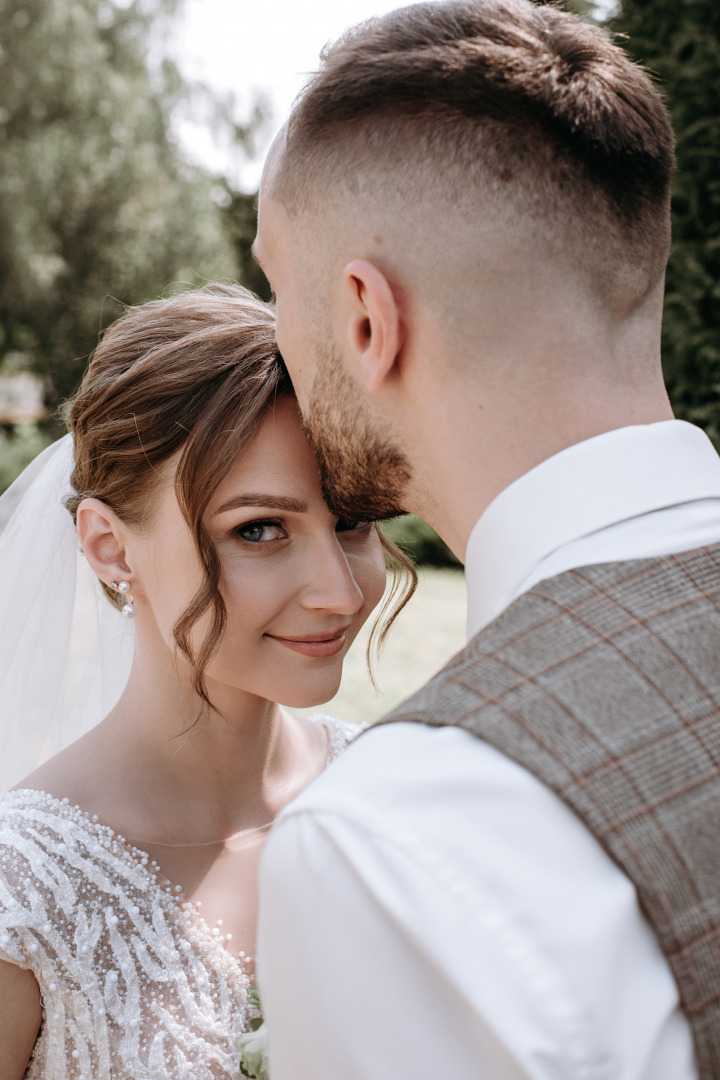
(132, 134)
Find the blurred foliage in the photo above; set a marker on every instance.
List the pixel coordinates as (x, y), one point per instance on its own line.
(241, 222)
(679, 40)
(586, 9)
(98, 206)
(419, 541)
(18, 446)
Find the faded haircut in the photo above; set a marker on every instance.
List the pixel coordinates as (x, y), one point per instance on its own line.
(477, 102)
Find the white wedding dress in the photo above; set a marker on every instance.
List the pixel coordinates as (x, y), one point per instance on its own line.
(136, 983)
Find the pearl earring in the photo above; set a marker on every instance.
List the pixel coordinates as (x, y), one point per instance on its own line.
(123, 587)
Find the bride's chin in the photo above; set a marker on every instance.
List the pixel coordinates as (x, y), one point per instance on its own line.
(308, 697)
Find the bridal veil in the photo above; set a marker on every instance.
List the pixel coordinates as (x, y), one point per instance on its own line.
(65, 652)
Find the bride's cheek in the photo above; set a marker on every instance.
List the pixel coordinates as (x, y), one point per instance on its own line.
(369, 572)
(251, 590)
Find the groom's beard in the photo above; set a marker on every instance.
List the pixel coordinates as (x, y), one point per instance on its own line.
(364, 475)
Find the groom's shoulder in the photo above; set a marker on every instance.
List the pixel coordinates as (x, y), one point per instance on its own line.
(385, 764)
(403, 772)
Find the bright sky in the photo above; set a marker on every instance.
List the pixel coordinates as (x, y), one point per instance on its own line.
(251, 46)
(263, 46)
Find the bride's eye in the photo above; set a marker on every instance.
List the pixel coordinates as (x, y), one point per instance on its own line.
(345, 525)
(260, 532)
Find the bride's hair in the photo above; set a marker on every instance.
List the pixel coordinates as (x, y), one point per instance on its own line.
(192, 374)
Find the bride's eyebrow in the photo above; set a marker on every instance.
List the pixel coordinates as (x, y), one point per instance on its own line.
(271, 502)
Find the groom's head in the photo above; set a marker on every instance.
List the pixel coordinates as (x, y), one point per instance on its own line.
(458, 182)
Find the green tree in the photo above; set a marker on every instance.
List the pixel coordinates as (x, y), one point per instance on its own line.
(679, 40)
(241, 222)
(421, 542)
(586, 9)
(98, 205)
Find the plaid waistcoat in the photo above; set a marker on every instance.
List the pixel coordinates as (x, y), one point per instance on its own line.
(604, 682)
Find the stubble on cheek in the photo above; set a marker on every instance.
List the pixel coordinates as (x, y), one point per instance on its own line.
(364, 474)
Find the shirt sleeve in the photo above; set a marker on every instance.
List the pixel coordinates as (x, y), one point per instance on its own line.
(348, 990)
(430, 910)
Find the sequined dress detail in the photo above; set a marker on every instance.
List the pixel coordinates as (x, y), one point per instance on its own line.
(135, 984)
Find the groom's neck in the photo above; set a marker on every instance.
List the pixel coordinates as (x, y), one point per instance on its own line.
(479, 418)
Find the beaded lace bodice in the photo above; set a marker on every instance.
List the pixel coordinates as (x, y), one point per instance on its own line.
(135, 984)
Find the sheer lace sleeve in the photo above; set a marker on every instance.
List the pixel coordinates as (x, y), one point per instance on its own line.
(21, 910)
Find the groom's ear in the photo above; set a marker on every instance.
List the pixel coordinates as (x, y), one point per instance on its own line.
(373, 328)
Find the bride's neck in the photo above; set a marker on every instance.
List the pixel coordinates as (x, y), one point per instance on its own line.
(186, 767)
(160, 713)
(161, 769)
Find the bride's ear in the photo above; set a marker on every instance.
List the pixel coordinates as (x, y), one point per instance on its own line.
(101, 535)
(372, 324)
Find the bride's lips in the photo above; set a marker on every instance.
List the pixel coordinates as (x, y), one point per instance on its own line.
(323, 644)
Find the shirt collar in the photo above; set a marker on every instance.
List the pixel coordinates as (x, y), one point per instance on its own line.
(586, 487)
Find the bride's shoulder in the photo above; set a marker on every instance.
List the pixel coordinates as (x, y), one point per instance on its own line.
(340, 732)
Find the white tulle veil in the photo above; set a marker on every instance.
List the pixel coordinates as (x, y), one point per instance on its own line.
(65, 652)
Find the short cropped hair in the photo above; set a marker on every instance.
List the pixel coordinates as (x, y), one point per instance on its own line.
(515, 98)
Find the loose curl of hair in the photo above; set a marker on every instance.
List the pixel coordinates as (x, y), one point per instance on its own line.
(192, 374)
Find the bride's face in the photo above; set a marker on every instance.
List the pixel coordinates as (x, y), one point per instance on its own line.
(298, 584)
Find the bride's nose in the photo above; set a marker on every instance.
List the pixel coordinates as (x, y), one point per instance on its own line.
(330, 584)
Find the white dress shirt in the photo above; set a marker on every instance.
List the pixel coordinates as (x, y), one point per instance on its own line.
(429, 909)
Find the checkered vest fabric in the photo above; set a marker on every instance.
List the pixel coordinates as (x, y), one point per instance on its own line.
(604, 683)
